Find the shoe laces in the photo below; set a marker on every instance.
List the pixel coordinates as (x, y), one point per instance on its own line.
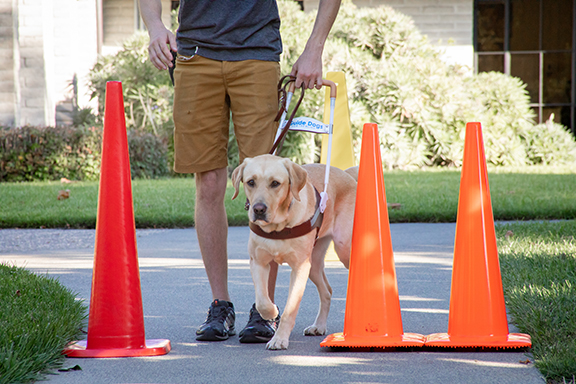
(219, 313)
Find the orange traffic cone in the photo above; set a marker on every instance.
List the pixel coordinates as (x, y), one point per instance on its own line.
(116, 320)
(372, 317)
(477, 316)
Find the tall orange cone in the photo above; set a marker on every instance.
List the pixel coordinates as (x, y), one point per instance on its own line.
(116, 320)
(372, 317)
(477, 316)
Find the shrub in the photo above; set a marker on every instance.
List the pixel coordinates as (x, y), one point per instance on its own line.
(550, 143)
(147, 91)
(397, 79)
(148, 155)
(48, 153)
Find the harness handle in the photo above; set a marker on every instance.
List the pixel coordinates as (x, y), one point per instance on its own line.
(324, 193)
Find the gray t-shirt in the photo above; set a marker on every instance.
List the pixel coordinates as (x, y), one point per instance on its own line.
(230, 30)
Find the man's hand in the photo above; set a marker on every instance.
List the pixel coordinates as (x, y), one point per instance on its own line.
(308, 69)
(162, 42)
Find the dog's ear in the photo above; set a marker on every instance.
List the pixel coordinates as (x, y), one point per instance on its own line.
(298, 178)
(237, 177)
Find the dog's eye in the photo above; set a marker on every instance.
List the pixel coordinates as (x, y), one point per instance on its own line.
(274, 184)
(251, 183)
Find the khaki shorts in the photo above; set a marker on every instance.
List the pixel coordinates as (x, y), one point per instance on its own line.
(205, 93)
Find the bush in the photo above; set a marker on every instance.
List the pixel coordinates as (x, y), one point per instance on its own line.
(147, 91)
(395, 78)
(398, 80)
(550, 143)
(148, 155)
(48, 153)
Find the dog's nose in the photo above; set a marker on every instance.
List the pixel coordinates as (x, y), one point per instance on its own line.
(259, 209)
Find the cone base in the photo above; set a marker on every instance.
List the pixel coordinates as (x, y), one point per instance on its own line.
(405, 340)
(512, 340)
(154, 347)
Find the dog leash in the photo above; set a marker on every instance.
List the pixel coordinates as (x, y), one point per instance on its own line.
(286, 88)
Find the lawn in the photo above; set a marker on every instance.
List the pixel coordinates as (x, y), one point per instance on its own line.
(538, 259)
(38, 317)
(424, 196)
(538, 264)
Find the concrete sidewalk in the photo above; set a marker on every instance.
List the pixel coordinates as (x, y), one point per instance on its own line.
(176, 296)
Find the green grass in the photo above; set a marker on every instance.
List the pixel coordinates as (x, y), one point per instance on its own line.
(538, 261)
(425, 196)
(521, 194)
(538, 264)
(38, 317)
(163, 203)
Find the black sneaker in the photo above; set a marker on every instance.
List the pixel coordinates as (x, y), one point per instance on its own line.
(258, 330)
(219, 324)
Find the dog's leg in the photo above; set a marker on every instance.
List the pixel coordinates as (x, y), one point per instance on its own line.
(318, 277)
(298, 279)
(260, 274)
(343, 239)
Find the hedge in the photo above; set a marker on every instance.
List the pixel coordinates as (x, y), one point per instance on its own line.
(50, 153)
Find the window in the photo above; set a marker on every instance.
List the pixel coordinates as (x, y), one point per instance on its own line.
(534, 40)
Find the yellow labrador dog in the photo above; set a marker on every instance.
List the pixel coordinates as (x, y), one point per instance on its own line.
(283, 200)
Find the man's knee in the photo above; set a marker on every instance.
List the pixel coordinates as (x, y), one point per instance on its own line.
(211, 185)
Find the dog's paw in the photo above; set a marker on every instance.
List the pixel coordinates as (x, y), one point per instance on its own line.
(277, 343)
(314, 330)
(268, 312)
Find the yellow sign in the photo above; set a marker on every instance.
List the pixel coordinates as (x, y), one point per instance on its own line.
(342, 152)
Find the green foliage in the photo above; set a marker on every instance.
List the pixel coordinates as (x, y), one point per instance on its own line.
(550, 144)
(48, 153)
(148, 155)
(397, 79)
(506, 117)
(39, 317)
(147, 91)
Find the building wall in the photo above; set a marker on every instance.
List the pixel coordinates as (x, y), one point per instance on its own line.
(32, 103)
(6, 63)
(447, 23)
(47, 48)
(74, 53)
(121, 19)
(118, 20)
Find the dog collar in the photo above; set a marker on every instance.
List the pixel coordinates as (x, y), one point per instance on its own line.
(315, 222)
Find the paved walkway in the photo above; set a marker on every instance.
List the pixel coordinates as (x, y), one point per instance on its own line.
(176, 296)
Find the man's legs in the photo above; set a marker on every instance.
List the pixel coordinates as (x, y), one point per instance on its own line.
(204, 92)
(212, 229)
(201, 123)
